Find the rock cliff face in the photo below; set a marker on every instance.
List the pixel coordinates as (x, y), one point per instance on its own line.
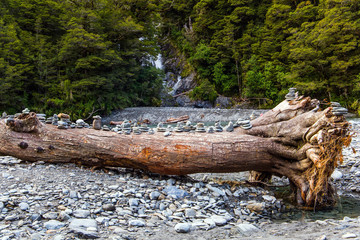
(176, 81)
(180, 79)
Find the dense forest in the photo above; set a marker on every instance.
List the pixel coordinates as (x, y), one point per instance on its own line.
(81, 56)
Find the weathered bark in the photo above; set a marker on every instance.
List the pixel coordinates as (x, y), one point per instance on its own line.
(179, 119)
(293, 140)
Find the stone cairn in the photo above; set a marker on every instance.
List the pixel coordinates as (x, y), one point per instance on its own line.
(179, 127)
(229, 127)
(188, 127)
(337, 109)
(144, 127)
(26, 111)
(62, 121)
(136, 129)
(243, 123)
(41, 117)
(218, 127)
(291, 95)
(211, 129)
(200, 127)
(160, 127)
(55, 120)
(96, 122)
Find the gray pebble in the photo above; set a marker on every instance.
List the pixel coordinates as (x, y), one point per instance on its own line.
(50, 215)
(219, 220)
(182, 227)
(23, 206)
(53, 225)
(133, 202)
(59, 237)
(348, 235)
(80, 213)
(86, 228)
(190, 213)
(108, 207)
(73, 194)
(247, 228)
(154, 195)
(36, 236)
(136, 223)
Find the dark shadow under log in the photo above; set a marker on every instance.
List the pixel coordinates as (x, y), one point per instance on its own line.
(294, 140)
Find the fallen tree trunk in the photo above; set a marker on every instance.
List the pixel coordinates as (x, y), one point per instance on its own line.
(294, 139)
(179, 119)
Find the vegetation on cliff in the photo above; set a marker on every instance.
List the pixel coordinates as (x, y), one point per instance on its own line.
(77, 56)
(258, 49)
(82, 56)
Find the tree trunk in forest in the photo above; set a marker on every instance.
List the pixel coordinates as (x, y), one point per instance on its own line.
(294, 139)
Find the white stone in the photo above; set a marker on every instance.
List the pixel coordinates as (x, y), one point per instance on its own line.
(133, 202)
(182, 227)
(190, 213)
(24, 206)
(247, 228)
(210, 222)
(154, 195)
(219, 220)
(323, 223)
(323, 237)
(269, 198)
(85, 227)
(53, 225)
(136, 223)
(349, 235)
(336, 175)
(83, 223)
(216, 191)
(80, 213)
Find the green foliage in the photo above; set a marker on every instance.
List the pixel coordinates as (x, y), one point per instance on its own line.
(78, 56)
(311, 45)
(205, 91)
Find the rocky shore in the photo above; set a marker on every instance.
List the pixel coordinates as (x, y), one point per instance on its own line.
(65, 201)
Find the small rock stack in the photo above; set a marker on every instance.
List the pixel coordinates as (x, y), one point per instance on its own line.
(337, 109)
(211, 129)
(179, 127)
(97, 122)
(144, 127)
(218, 127)
(188, 127)
(26, 111)
(291, 95)
(229, 127)
(55, 120)
(80, 123)
(41, 117)
(160, 127)
(64, 121)
(243, 123)
(200, 127)
(126, 127)
(105, 128)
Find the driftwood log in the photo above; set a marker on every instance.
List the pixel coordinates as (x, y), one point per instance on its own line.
(179, 119)
(295, 139)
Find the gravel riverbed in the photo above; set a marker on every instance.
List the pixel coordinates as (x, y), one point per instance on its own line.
(65, 201)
